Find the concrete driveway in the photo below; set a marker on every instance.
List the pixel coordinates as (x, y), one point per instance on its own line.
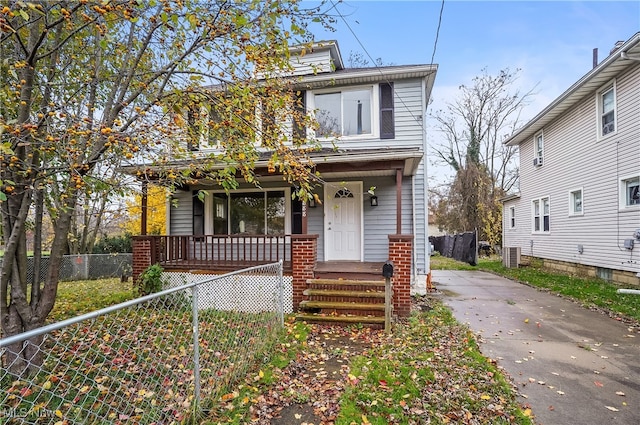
(571, 365)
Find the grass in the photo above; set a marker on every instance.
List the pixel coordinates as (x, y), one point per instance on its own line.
(590, 292)
(430, 371)
(430, 367)
(84, 296)
(134, 364)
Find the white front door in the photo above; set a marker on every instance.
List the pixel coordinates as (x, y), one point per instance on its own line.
(343, 221)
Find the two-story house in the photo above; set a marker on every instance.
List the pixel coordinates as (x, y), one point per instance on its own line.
(372, 194)
(579, 203)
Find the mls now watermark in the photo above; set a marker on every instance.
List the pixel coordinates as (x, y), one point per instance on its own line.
(24, 413)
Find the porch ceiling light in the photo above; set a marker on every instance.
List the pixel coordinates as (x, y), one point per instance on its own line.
(374, 201)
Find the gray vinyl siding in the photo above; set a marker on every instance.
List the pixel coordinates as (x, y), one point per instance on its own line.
(181, 214)
(311, 62)
(420, 231)
(575, 158)
(380, 221)
(409, 110)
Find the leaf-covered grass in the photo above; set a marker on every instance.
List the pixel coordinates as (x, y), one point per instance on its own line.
(137, 364)
(590, 292)
(84, 296)
(429, 371)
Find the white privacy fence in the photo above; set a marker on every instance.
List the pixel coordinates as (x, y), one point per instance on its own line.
(156, 359)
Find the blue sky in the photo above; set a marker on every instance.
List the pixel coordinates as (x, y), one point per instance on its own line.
(552, 42)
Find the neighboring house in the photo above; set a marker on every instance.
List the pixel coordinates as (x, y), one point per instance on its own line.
(579, 203)
(379, 114)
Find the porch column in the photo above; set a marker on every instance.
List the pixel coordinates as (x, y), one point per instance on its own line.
(143, 207)
(400, 253)
(304, 251)
(142, 256)
(398, 201)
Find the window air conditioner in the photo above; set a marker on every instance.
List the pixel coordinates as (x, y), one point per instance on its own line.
(537, 161)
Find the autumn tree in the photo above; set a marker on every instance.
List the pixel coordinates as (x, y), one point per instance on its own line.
(87, 83)
(157, 208)
(474, 127)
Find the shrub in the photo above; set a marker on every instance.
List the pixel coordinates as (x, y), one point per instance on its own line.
(113, 244)
(150, 281)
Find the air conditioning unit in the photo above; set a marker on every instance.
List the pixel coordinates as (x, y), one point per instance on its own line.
(511, 257)
(537, 161)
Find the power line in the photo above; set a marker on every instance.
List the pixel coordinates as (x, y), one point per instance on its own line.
(435, 43)
(378, 67)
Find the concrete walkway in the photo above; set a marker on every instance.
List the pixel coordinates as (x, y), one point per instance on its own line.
(571, 365)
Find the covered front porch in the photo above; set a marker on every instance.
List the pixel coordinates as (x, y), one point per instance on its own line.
(218, 255)
(305, 237)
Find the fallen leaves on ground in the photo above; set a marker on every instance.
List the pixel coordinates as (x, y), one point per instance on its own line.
(428, 370)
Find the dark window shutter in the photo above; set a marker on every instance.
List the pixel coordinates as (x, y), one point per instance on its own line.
(296, 216)
(198, 214)
(269, 125)
(387, 120)
(193, 140)
(299, 129)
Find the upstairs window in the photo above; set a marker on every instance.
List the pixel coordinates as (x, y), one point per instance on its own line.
(346, 113)
(539, 150)
(607, 110)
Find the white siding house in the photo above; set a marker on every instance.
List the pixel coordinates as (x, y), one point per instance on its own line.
(374, 117)
(579, 204)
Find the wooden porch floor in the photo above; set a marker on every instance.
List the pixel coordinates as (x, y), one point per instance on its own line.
(349, 269)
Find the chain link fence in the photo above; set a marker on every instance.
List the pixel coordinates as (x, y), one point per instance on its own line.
(85, 266)
(159, 359)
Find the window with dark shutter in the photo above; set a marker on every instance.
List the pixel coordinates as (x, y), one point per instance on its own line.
(300, 108)
(194, 130)
(387, 123)
(198, 214)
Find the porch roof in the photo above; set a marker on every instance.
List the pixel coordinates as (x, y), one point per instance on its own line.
(327, 161)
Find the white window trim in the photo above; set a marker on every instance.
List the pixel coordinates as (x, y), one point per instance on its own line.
(208, 206)
(375, 109)
(533, 221)
(611, 85)
(512, 218)
(572, 212)
(622, 193)
(536, 154)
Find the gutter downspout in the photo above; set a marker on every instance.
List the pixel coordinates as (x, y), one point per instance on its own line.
(427, 258)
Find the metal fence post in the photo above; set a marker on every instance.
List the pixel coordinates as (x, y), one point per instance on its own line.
(281, 288)
(196, 347)
(387, 273)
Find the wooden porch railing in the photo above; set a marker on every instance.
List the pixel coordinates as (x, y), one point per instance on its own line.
(219, 252)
